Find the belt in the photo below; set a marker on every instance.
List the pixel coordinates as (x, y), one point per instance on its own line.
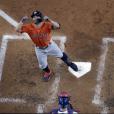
(44, 46)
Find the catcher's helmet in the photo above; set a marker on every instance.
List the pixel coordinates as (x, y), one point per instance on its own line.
(63, 99)
(37, 13)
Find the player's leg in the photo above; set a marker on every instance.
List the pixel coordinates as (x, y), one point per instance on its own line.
(47, 74)
(66, 59)
(42, 60)
(54, 50)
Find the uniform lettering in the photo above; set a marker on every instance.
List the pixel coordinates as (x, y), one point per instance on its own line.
(40, 35)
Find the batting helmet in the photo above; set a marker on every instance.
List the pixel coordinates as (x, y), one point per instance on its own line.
(37, 13)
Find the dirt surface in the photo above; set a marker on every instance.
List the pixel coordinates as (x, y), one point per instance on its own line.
(85, 23)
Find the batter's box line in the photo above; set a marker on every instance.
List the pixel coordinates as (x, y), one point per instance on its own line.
(12, 100)
(55, 84)
(4, 44)
(97, 97)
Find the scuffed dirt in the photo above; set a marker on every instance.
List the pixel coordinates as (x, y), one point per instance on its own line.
(85, 23)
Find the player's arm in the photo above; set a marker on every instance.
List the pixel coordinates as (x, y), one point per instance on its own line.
(21, 23)
(18, 28)
(55, 25)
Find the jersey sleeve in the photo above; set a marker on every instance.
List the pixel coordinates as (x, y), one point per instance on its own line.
(50, 25)
(54, 25)
(24, 28)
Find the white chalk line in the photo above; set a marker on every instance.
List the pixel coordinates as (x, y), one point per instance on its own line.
(97, 97)
(8, 18)
(4, 43)
(12, 100)
(3, 48)
(10, 37)
(40, 108)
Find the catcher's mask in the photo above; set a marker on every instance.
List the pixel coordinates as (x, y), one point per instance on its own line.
(63, 99)
(38, 16)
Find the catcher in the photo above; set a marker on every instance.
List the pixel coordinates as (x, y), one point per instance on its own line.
(65, 107)
(40, 33)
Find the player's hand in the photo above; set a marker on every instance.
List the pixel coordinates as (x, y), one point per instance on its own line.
(46, 18)
(24, 19)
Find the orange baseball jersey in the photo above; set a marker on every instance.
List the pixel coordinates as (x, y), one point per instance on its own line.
(40, 36)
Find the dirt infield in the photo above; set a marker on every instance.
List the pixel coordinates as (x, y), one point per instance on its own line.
(85, 23)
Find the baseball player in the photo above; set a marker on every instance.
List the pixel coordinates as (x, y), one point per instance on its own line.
(64, 105)
(40, 33)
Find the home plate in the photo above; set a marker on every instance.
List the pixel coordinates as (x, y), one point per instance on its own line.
(83, 67)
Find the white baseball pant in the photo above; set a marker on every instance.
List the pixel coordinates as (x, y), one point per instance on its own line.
(42, 54)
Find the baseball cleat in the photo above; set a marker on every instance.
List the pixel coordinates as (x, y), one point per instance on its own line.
(47, 76)
(74, 67)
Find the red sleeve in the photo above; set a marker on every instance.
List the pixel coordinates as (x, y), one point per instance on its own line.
(24, 28)
(50, 25)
